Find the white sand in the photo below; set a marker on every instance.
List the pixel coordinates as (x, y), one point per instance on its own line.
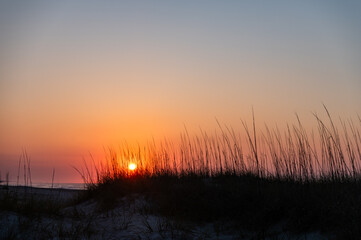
(129, 220)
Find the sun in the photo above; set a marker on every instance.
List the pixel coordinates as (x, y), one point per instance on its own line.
(132, 166)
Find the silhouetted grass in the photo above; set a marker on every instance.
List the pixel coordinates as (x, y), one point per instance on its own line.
(303, 181)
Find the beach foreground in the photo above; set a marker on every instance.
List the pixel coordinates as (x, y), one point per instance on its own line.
(285, 186)
(39, 213)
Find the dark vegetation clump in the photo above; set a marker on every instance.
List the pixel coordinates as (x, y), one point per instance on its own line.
(250, 202)
(297, 180)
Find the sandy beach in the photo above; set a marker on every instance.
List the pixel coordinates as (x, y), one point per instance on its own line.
(132, 218)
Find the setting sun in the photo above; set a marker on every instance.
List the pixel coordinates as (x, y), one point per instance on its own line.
(132, 166)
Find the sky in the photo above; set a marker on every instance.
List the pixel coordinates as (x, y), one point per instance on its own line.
(78, 76)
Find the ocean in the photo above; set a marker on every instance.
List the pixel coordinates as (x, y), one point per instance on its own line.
(76, 186)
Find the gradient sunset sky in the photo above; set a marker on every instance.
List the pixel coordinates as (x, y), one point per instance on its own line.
(76, 76)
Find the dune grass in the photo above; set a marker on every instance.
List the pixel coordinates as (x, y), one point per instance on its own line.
(304, 180)
(292, 155)
(260, 183)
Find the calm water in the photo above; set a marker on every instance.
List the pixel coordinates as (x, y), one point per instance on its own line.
(78, 186)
